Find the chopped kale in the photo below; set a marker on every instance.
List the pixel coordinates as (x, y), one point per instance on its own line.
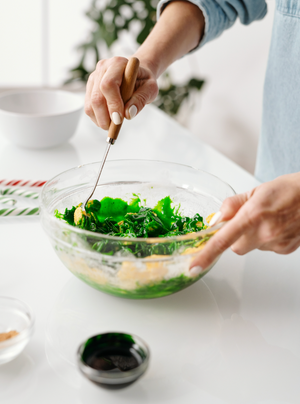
(115, 217)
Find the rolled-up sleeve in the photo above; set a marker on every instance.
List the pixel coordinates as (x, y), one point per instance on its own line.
(221, 14)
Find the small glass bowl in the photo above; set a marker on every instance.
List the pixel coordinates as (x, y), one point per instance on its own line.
(14, 316)
(113, 344)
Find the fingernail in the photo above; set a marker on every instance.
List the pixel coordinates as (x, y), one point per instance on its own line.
(215, 218)
(195, 271)
(115, 117)
(132, 111)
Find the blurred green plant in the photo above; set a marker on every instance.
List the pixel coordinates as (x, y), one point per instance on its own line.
(110, 18)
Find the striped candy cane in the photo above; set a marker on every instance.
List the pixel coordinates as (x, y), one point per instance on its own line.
(19, 212)
(20, 192)
(5, 199)
(22, 183)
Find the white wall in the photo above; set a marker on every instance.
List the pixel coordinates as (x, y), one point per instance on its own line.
(25, 43)
(226, 115)
(20, 42)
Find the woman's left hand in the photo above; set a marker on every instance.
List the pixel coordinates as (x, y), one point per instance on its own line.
(267, 218)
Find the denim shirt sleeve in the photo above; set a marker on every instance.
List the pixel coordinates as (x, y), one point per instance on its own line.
(221, 14)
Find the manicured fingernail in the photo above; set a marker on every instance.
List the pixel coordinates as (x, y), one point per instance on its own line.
(115, 117)
(215, 218)
(132, 111)
(195, 271)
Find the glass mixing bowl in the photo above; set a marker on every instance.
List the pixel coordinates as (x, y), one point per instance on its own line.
(118, 271)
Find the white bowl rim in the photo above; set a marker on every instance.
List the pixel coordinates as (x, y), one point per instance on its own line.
(23, 334)
(150, 240)
(40, 91)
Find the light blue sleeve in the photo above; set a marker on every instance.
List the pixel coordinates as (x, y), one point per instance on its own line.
(221, 14)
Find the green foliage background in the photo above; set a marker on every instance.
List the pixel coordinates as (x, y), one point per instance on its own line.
(110, 18)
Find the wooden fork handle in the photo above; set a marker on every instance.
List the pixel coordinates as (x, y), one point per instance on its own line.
(127, 88)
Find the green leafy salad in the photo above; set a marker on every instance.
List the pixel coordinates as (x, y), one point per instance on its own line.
(116, 217)
(137, 229)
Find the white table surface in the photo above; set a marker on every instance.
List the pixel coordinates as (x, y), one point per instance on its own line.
(233, 337)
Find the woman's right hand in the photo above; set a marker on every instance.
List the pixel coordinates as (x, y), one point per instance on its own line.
(103, 101)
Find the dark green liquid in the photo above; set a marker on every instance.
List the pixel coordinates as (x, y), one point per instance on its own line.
(113, 353)
(114, 360)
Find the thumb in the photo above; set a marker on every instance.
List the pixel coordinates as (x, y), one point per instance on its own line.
(142, 96)
(232, 205)
(226, 236)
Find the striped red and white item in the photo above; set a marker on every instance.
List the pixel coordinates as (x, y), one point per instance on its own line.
(22, 183)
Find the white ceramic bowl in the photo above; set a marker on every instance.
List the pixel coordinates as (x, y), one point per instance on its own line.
(39, 119)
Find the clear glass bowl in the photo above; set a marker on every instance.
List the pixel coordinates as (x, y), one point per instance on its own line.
(118, 272)
(14, 316)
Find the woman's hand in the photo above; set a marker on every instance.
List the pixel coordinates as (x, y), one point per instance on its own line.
(267, 218)
(179, 30)
(103, 101)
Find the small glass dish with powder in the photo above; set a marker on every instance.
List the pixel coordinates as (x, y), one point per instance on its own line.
(16, 327)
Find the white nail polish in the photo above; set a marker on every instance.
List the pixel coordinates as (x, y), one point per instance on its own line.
(195, 271)
(132, 111)
(115, 117)
(215, 218)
